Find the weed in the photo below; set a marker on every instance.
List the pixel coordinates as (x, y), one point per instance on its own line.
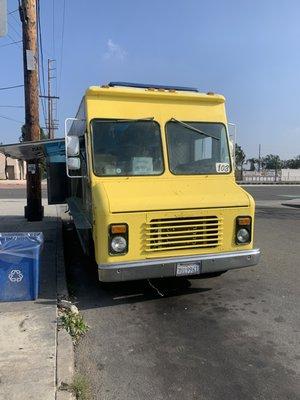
(80, 388)
(74, 324)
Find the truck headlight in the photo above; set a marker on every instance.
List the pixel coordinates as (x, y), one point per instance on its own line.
(243, 235)
(243, 230)
(118, 239)
(118, 244)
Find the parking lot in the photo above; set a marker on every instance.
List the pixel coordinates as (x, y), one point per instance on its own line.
(231, 337)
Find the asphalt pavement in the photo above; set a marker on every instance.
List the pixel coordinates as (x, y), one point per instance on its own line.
(273, 192)
(226, 338)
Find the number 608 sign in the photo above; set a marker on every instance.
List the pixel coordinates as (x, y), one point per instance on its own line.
(222, 168)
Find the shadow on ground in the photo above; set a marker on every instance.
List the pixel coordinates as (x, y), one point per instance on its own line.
(82, 274)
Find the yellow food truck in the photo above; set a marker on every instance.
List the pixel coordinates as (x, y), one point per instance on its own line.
(148, 175)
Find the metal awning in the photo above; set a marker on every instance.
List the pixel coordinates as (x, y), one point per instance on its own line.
(34, 150)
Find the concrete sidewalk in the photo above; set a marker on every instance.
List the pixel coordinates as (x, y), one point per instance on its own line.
(28, 330)
(16, 182)
(12, 182)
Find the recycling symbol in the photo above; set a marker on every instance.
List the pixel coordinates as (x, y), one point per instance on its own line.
(15, 275)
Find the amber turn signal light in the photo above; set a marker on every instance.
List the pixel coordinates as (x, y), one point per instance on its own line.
(117, 229)
(242, 221)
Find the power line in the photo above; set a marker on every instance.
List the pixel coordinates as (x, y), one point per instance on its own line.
(10, 87)
(51, 123)
(53, 28)
(62, 45)
(11, 12)
(13, 39)
(13, 17)
(11, 119)
(13, 28)
(15, 31)
(11, 106)
(9, 44)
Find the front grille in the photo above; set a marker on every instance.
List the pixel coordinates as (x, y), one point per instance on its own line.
(183, 233)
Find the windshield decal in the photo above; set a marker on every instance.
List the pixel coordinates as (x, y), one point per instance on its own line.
(222, 168)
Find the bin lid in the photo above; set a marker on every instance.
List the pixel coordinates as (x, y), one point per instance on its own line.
(16, 243)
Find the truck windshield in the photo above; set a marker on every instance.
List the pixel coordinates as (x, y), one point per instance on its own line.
(126, 148)
(197, 148)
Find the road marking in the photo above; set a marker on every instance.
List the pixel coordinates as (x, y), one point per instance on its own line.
(290, 196)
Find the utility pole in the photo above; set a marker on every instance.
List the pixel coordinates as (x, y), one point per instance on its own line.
(51, 123)
(259, 157)
(33, 210)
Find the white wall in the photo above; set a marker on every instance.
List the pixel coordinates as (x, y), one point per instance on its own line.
(290, 175)
(19, 167)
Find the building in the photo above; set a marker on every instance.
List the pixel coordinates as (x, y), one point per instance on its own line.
(12, 169)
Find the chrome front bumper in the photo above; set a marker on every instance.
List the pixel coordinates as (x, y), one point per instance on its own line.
(166, 267)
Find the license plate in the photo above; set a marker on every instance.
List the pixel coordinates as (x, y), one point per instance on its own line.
(187, 269)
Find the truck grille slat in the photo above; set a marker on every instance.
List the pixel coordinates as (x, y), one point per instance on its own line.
(183, 233)
(180, 221)
(190, 236)
(196, 246)
(166, 230)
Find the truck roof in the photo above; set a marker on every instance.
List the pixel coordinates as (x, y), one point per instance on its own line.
(153, 86)
(123, 89)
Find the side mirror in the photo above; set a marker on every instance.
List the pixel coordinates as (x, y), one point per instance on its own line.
(232, 139)
(73, 148)
(73, 163)
(72, 145)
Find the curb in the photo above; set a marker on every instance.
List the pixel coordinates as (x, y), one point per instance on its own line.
(61, 282)
(64, 364)
(65, 360)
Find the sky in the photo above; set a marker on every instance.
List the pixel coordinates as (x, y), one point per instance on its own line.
(247, 51)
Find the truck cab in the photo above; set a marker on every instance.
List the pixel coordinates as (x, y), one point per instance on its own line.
(153, 177)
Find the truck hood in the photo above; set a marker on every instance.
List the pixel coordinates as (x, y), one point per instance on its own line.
(157, 194)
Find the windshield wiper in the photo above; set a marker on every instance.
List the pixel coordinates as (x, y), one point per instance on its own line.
(192, 128)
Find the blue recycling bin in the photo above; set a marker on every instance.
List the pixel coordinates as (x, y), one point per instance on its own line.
(19, 265)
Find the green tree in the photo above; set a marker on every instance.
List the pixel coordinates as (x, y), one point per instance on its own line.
(43, 168)
(293, 163)
(43, 135)
(240, 157)
(272, 161)
(297, 161)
